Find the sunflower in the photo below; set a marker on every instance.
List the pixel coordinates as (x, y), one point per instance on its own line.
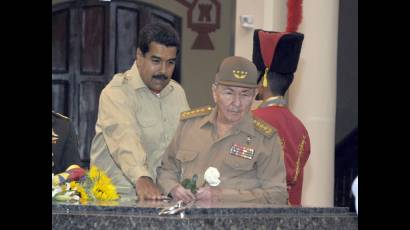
(102, 188)
(94, 186)
(94, 173)
(80, 189)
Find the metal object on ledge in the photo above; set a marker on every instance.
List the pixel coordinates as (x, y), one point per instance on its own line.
(179, 207)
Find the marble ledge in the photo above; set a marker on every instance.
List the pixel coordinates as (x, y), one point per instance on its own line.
(144, 215)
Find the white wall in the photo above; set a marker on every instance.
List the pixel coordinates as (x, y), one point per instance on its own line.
(267, 15)
(244, 36)
(312, 97)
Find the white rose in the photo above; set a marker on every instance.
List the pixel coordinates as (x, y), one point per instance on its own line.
(212, 176)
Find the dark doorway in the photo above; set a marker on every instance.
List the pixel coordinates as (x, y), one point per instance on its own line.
(346, 149)
(91, 41)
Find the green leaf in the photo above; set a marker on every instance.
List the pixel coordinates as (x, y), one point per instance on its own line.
(62, 197)
(190, 183)
(185, 183)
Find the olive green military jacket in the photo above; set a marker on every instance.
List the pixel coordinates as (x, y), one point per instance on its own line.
(245, 177)
(134, 127)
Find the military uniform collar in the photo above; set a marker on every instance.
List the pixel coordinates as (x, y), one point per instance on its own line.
(134, 78)
(274, 101)
(245, 125)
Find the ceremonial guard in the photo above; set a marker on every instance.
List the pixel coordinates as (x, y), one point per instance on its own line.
(276, 56)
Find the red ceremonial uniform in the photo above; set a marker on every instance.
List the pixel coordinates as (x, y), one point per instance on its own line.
(295, 141)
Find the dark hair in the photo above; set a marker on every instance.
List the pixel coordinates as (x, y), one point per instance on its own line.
(278, 83)
(161, 33)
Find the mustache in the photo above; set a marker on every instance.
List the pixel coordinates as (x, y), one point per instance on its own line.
(160, 77)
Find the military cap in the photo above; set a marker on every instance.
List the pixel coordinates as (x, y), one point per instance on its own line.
(276, 51)
(237, 71)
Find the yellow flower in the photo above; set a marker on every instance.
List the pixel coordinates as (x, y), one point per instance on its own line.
(96, 186)
(83, 194)
(102, 188)
(104, 192)
(93, 173)
(73, 185)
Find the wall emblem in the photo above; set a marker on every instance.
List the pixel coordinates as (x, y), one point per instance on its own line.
(204, 17)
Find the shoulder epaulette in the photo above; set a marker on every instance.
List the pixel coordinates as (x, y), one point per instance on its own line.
(263, 127)
(60, 115)
(201, 111)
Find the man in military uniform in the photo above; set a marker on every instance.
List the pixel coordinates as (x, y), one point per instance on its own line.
(276, 56)
(64, 143)
(245, 151)
(138, 115)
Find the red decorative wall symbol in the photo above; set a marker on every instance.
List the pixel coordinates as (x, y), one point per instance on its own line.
(204, 17)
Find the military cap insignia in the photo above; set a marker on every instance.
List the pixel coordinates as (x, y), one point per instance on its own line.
(239, 74)
(196, 112)
(263, 127)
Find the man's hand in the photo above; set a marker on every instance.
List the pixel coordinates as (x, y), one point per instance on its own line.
(146, 189)
(208, 194)
(180, 193)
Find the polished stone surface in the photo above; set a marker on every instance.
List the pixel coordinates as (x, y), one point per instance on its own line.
(130, 214)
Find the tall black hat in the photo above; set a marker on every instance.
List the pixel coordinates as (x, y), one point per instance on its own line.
(279, 51)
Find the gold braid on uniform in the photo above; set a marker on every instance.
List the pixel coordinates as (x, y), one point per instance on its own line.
(282, 143)
(301, 148)
(263, 127)
(201, 111)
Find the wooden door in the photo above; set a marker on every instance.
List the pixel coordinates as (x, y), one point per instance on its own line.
(92, 40)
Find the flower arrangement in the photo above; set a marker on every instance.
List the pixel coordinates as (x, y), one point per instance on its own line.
(78, 185)
(211, 177)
